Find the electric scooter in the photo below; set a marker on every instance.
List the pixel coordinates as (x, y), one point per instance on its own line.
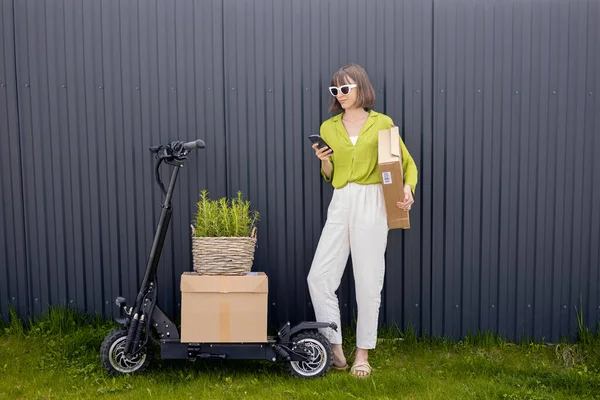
(126, 350)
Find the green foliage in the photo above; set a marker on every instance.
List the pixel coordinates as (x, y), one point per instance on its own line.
(56, 356)
(14, 326)
(224, 217)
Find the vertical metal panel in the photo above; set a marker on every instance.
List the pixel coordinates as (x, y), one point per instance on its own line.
(74, 166)
(59, 281)
(14, 279)
(469, 298)
(558, 104)
(525, 160)
(403, 90)
(532, 123)
(590, 251)
(34, 137)
(437, 166)
(496, 101)
(573, 274)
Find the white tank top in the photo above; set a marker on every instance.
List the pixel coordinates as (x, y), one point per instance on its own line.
(354, 139)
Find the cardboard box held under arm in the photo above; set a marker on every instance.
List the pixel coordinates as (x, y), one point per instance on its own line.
(224, 309)
(392, 178)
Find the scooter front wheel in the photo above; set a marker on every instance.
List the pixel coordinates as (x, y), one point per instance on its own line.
(321, 355)
(112, 355)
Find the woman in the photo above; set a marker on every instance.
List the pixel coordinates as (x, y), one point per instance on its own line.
(356, 219)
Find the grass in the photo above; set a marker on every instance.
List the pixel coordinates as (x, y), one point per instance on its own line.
(56, 357)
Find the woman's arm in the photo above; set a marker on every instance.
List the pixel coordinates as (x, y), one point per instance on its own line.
(409, 168)
(327, 169)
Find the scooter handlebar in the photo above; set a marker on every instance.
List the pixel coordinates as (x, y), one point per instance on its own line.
(196, 144)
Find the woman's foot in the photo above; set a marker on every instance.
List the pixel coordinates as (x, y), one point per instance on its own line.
(339, 360)
(361, 367)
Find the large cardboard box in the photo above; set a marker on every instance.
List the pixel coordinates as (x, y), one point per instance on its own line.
(392, 178)
(224, 309)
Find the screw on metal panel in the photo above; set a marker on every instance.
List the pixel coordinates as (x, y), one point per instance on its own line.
(270, 90)
(417, 90)
(14, 298)
(442, 90)
(209, 89)
(528, 305)
(478, 90)
(380, 90)
(233, 89)
(493, 306)
(106, 301)
(100, 87)
(1, 84)
(72, 301)
(457, 306)
(307, 89)
(27, 85)
(590, 93)
(417, 305)
(166, 326)
(564, 306)
(36, 300)
(554, 92)
(273, 304)
(137, 88)
(64, 86)
(517, 92)
(173, 88)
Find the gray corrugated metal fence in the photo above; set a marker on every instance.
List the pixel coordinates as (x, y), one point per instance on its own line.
(497, 102)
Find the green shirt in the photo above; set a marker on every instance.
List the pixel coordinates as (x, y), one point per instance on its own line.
(358, 163)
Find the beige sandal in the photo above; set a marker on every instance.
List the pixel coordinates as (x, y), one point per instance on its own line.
(337, 368)
(363, 367)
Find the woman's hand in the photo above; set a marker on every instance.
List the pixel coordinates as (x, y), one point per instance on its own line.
(323, 153)
(408, 199)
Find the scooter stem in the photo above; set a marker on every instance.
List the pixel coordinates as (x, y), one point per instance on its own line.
(159, 238)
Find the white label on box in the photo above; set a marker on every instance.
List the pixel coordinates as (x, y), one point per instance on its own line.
(387, 178)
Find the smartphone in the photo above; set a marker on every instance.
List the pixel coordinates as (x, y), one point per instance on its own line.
(318, 139)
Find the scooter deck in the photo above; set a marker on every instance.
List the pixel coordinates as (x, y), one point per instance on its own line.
(174, 349)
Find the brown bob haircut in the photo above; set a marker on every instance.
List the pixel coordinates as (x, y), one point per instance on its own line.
(366, 93)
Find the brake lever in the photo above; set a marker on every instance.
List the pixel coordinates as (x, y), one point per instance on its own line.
(179, 153)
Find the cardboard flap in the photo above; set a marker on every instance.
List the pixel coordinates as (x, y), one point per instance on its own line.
(395, 141)
(254, 282)
(389, 145)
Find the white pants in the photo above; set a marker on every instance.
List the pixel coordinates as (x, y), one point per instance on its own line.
(356, 224)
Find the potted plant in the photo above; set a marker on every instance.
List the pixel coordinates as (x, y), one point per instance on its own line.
(224, 235)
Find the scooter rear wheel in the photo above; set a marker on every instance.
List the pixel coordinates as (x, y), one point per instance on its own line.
(112, 355)
(321, 355)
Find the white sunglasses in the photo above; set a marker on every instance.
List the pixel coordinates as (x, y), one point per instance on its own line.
(344, 89)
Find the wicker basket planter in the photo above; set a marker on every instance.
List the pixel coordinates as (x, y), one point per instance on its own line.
(223, 235)
(223, 255)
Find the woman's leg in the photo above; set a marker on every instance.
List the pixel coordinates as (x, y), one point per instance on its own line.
(327, 269)
(368, 240)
